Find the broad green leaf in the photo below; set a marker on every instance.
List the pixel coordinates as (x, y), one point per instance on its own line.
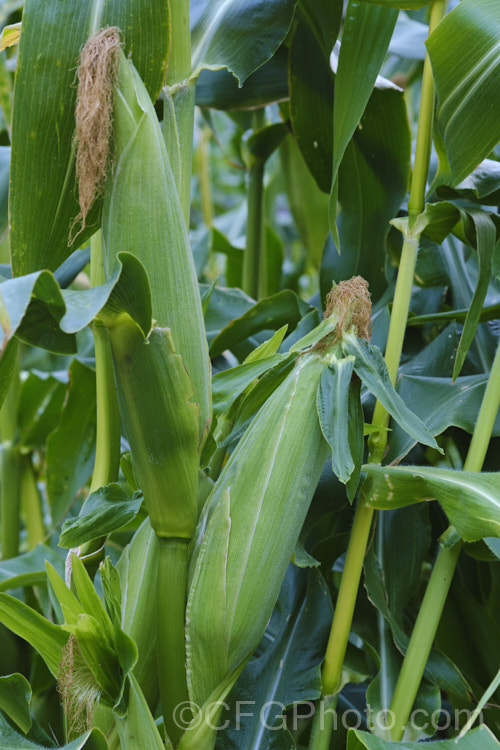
(373, 180)
(287, 668)
(239, 35)
(485, 238)
(439, 403)
(89, 598)
(224, 306)
(468, 109)
(71, 446)
(436, 221)
(15, 697)
(365, 39)
(403, 4)
(270, 313)
(93, 739)
(40, 401)
(155, 395)
(71, 607)
(333, 411)
(229, 384)
(470, 500)
(142, 214)
(311, 103)
(371, 368)
(43, 172)
(481, 186)
(46, 638)
(269, 347)
(481, 737)
(219, 89)
(28, 569)
(104, 511)
(138, 569)
(308, 204)
(324, 17)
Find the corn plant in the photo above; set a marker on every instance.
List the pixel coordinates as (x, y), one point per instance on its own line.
(247, 330)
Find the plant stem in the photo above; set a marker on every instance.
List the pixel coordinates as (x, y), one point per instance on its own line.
(254, 277)
(10, 471)
(206, 197)
(344, 609)
(32, 504)
(439, 584)
(342, 620)
(323, 723)
(172, 588)
(178, 111)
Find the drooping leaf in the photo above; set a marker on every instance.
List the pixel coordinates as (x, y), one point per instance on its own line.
(104, 511)
(439, 403)
(373, 180)
(365, 39)
(239, 35)
(333, 411)
(371, 368)
(71, 446)
(43, 172)
(481, 737)
(484, 229)
(468, 109)
(270, 313)
(15, 697)
(480, 186)
(46, 638)
(219, 89)
(28, 569)
(92, 739)
(470, 500)
(311, 103)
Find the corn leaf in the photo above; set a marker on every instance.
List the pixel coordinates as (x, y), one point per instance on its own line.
(138, 569)
(365, 39)
(100, 657)
(467, 84)
(481, 737)
(70, 605)
(229, 384)
(46, 638)
(239, 35)
(93, 739)
(371, 368)
(470, 500)
(104, 511)
(28, 569)
(15, 698)
(333, 411)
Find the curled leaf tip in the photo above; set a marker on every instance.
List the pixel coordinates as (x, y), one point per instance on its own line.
(97, 73)
(350, 300)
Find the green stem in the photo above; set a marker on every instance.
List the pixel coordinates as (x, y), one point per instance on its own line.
(10, 471)
(178, 111)
(423, 145)
(107, 453)
(342, 620)
(205, 190)
(346, 600)
(439, 584)
(172, 587)
(32, 504)
(323, 723)
(254, 277)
